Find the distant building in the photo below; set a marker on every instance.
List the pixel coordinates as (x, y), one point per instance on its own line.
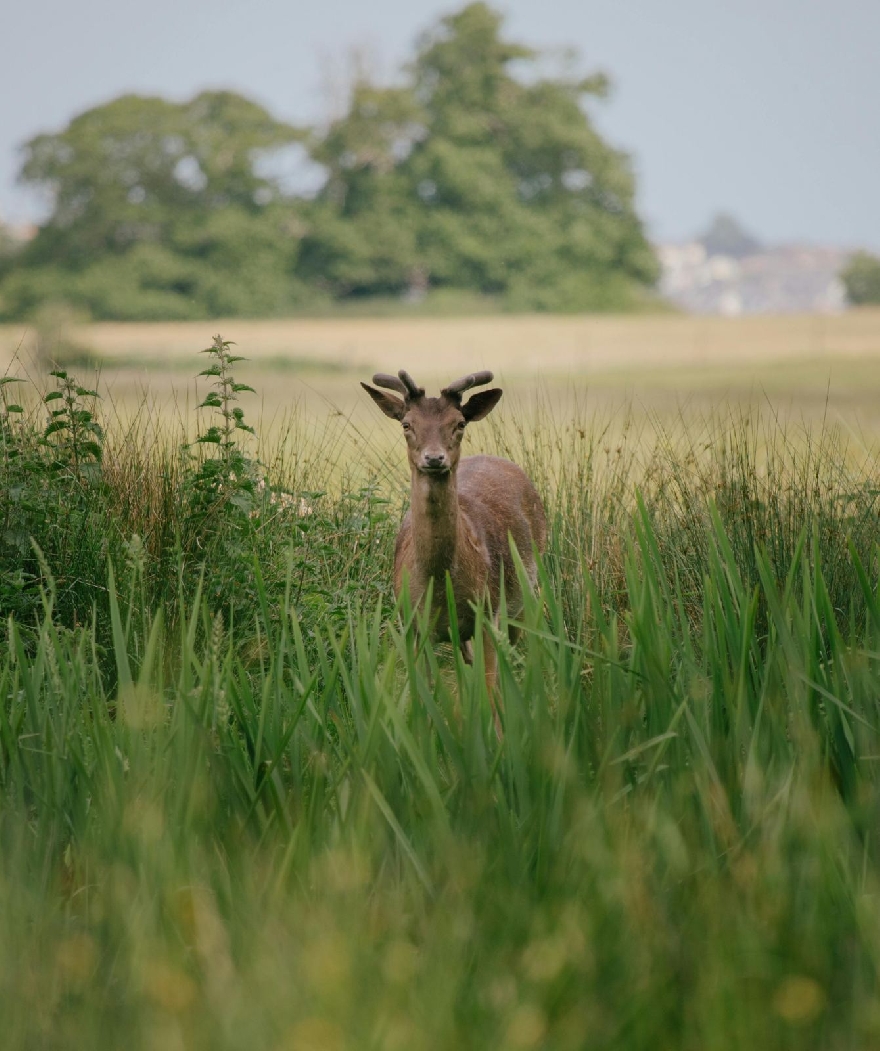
(784, 280)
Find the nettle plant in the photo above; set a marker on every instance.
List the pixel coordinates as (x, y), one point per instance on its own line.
(13, 426)
(21, 462)
(49, 474)
(235, 514)
(225, 491)
(73, 436)
(227, 482)
(70, 444)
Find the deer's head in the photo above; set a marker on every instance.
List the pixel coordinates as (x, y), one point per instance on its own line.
(433, 427)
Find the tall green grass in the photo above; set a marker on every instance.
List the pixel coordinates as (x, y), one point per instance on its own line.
(272, 814)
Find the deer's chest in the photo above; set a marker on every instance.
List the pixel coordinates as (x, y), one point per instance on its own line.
(467, 570)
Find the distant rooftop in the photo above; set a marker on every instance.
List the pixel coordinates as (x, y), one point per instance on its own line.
(728, 271)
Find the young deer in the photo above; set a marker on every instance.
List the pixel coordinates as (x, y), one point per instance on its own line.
(462, 512)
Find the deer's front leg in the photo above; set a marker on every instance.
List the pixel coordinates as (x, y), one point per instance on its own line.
(490, 668)
(490, 665)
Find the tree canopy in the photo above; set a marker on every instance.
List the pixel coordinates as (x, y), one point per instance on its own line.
(727, 236)
(472, 173)
(861, 279)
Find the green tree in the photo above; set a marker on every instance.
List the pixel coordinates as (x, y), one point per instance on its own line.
(160, 210)
(726, 236)
(130, 170)
(472, 172)
(480, 177)
(363, 226)
(8, 244)
(514, 166)
(861, 279)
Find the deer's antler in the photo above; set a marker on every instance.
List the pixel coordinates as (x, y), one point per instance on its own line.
(412, 390)
(382, 379)
(475, 379)
(403, 383)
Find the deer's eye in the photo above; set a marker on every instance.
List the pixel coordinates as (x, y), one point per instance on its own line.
(407, 426)
(459, 427)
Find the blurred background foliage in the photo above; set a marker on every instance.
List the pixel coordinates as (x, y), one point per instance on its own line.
(472, 173)
(861, 279)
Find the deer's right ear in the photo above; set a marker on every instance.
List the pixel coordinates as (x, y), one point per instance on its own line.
(391, 406)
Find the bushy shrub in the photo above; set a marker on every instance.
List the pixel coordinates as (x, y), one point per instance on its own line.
(235, 264)
(183, 518)
(23, 291)
(51, 533)
(861, 279)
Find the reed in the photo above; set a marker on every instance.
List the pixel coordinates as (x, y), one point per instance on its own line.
(276, 814)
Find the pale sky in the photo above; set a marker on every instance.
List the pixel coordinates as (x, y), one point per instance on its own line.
(768, 109)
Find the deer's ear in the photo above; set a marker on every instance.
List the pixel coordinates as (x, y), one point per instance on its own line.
(480, 405)
(391, 406)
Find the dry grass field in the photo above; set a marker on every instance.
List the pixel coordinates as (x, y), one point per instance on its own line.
(813, 366)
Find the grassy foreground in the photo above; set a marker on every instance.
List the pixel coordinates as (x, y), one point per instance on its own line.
(243, 803)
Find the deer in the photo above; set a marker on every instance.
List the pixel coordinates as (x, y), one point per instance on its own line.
(463, 512)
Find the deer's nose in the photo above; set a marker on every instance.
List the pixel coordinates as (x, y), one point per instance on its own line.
(434, 460)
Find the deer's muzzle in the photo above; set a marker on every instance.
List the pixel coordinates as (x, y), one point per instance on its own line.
(434, 463)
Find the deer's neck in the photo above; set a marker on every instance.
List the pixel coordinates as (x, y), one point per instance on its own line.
(435, 521)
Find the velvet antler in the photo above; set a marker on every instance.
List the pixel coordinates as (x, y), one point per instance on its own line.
(382, 379)
(475, 379)
(412, 388)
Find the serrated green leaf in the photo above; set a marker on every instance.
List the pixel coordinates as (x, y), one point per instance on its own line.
(53, 395)
(242, 501)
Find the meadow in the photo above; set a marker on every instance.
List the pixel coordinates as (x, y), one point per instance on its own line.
(804, 362)
(243, 802)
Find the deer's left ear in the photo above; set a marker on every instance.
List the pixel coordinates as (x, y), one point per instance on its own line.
(480, 405)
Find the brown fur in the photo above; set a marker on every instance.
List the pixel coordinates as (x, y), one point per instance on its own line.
(492, 498)
(462, 514)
